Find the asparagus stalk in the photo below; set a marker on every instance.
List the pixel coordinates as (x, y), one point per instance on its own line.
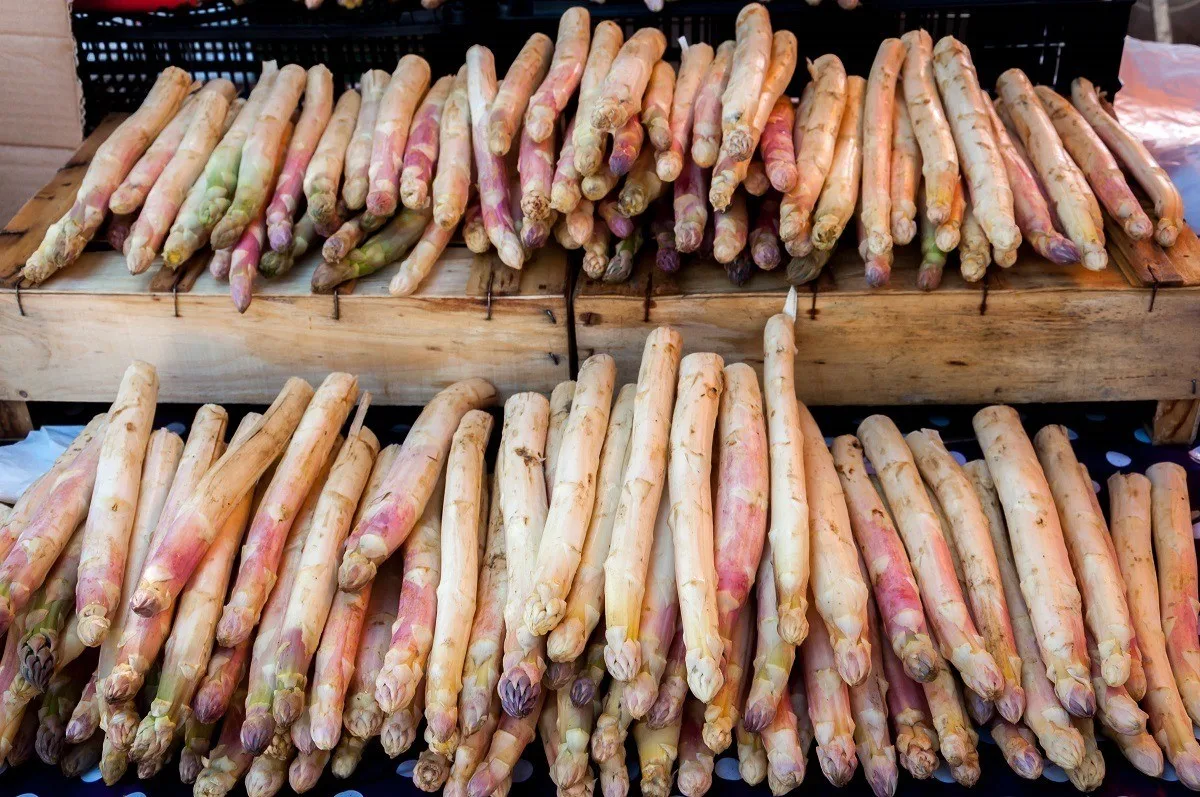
(324, 173)
(374, 84)
(132, 191)
(828, 704)
(912, 731)
(723, 713)
(362, 715)
(659, 618)
(485, 648)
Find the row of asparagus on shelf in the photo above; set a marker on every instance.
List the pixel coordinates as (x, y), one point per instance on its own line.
(917, 149)
(683, 557)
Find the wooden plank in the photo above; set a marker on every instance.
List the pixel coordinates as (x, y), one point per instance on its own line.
(1176, 422)
(80, 330)
(1034, 332)
(1144, 263)
(22, 235)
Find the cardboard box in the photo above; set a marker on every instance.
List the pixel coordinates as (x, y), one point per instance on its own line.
(41, 114)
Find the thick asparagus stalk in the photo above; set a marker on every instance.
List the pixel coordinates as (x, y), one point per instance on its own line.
(485, 648)
(229, 760)
(588, 140)
(396, 107)
(363, 716)
(421, 150)
(912, 729)
(563, 76)
(956, 737)
(333, 665)
(694, 64)
(374, 84)
(722, 715)
(132, 191)
(506, 111)
(773, 657)
(507, 744)
(492, 176)
(626, 566)
(46, 617)
(657, 750)
(324, 173)
(659, 620)
(828, 704)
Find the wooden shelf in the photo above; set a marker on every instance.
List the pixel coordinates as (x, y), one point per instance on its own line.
(1035, 332)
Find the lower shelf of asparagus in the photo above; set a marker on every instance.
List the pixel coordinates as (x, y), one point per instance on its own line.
(473, 316)
(1032, 333)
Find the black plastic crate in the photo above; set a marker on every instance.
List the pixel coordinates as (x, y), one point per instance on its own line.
(1054, 41)
(119, 55)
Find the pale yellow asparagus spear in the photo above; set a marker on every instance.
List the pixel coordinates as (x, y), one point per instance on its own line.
(324, 174)
(939, 157)
(868, 706)
(659, 620)
(657, 750)
(461, 512)
(1088, 776)
(773, 656)
(612, 723)
(585, 601)
(588, 140)
(1175, 556)
(751, 60)
(508, 107)
(1040, 551)
(628, 559)
(132, 191)
(620, 96)
(1044, 714)
(696, 760)
(452, 183)
(485, 649)
(789, 524)
(114, 502)
(561, 399)
(572, 500)
(752, 758)
(723, 713)
(968, 531)
(877, 146)
(957, 739)
(701, 380)
(928, 551)
(564, 74)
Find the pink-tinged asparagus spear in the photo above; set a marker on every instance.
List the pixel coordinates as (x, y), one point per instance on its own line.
(311, 444)
(259, 726)
(673, 688)
(912, 729)
(318, 107)
(137, 640)
(967, 524)
(778, 147)
(164, 200)
(939, 157)
(786, 741)
(1176, 560)
(585, 601)
(877, 145)
(696, 761)
(114, 502)
(921, 531)
(1097, 164)
(723, 713)
(198, 519)
(358, 153)
(1092, 558)
(773, 657)
(492, 177)
(620, 97)
(48, 530)
(828, 704)
(243, 262)
(133, 190)
(315, 581)
(226, 668)
(626, 146)
(789, 524)
(566, 190)
(396, 106)
(535, 165)
(588, 140)
(837, 585)
(895, 587)
(1141, 750)
(362, 716)
(868, 705)
(656, 105)
(388, 520)
(565, 72)
(523, 506)
(507, 743)
(1029, 204)
(461, 523)
(694, 65)
(628, 559)
(30, 502)
(485, 648)
(561, 546)
(508, 107)
(905, 173)
(421, 149)
(701, 380)
(324, 174)
(185, 656)
(1168, 206)
(57, 704)
(452, 183)
(1040, 551)
(691, 206)
(659, 619)
(706, 123)
(229, 760)
(1074, 204)
(731, 229)
(1133, 525)
(65, 239)
(334, 665)
(751, 60)
(1018, 745)
(85, 717)
(1043, 713)
(262, 150)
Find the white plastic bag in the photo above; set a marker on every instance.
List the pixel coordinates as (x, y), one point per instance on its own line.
(21, 463)
(1159, 102)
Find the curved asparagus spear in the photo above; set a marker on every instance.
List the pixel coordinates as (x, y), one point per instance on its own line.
(585, 601)
(939, 157)
(588, 140)
(491, 174)
(620, 96)
(461, 524)
(362, 716)
(508, 108)
(928, 551)
(334, 664)
(895, 587)
(1168, 205)
(1043, 713)
(641, 490)
(410, 482)
(694, 63)
(65, 239)
(132, 191)
(315, 582)
(561, 547)
(773, 658)
(838, 586)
